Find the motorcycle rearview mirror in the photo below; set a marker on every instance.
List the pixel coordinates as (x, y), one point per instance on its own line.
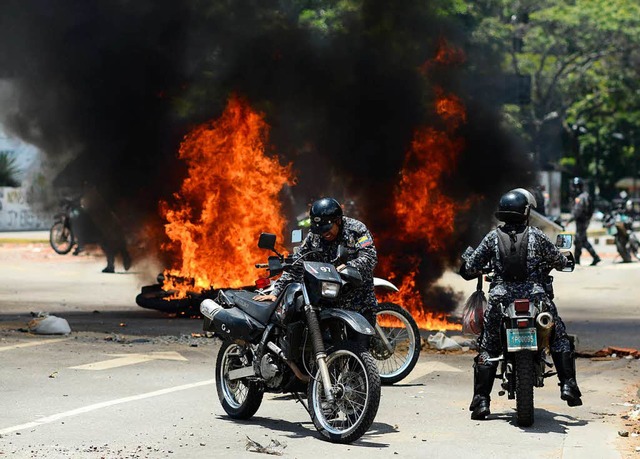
(351, 275)
(267, 241)
(296, 236)
(564, 241)
(571, 265)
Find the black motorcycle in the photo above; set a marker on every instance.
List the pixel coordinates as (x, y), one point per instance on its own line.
(295, 344)
(61, 236)
(525, 335)
(620, 226)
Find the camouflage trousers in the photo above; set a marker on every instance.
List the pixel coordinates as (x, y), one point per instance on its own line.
(489, 345)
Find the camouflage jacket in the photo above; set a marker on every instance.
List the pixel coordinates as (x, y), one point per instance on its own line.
(542, 256)
(580, 210)
(355, 237)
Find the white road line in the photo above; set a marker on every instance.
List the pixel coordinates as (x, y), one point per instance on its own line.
(129, 359)
(98, 406)
(32, 343)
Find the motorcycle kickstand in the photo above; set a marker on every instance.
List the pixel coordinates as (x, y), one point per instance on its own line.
(302, 402)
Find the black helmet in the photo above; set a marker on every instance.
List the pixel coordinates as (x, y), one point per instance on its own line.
(514, 207)
(577, 184)
(531, 199)
(323, 213)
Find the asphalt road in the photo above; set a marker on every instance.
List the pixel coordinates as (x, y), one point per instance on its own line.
(129, 382)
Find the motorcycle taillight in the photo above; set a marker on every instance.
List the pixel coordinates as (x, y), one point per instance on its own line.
(263, 282)
(521, 306)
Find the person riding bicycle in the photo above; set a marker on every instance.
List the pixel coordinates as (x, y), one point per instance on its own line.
(329, 230)
(519, 256)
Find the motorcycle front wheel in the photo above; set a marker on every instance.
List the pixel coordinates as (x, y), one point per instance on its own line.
(61, 238)
(356, 388)
(397, 352)
(240, 398)
(634, 245)
(525, 374)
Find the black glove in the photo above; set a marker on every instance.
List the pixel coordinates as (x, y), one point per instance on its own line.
(464, 274)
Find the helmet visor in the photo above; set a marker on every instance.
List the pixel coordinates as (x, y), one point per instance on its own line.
(321, 226)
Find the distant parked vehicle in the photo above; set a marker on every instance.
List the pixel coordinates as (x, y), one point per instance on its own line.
(61, 235)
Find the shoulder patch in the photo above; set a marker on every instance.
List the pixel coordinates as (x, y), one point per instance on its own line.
(365, 241)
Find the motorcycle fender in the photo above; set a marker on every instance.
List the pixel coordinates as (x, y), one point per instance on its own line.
(377, 282)
(353, 319)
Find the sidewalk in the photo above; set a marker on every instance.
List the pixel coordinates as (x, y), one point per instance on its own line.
(24, 236)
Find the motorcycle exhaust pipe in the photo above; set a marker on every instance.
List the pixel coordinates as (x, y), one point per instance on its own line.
(544, 325)
(210, 308)
(296, 370)
(544, 320)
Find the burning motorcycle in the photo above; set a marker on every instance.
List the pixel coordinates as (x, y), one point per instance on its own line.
(620, 226)
(297, 344)
(525, 336)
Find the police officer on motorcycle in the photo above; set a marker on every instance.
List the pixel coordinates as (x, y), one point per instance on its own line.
(329, 230)
(520, 257)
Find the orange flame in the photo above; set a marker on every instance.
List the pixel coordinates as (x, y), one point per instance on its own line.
(229, 197)
(426, 214)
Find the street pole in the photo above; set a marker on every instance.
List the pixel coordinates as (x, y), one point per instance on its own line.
(596, 190)
(635, 164)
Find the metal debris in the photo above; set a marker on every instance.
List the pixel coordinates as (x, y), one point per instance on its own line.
(274, 448)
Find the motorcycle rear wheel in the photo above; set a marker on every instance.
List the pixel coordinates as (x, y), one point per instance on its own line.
(61, 238)
(239, 398)
(403, 335)
(356, 381)
(525, 374)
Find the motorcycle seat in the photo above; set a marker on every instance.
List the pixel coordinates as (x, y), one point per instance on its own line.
(259, 310)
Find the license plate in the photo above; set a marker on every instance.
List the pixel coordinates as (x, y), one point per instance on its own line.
(519, 339)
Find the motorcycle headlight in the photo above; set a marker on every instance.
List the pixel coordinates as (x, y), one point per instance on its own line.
(330, 290)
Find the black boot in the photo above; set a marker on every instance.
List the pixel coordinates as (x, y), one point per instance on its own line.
(594, 255)
(483, 377)
(566, 367)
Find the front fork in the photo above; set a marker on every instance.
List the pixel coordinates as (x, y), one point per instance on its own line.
(383, 337)
(318, 348)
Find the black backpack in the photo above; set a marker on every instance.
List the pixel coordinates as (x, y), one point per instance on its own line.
(513, 249)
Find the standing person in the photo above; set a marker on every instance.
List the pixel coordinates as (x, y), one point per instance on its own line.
(519, 256)
(581, 212)
(330, 229)
(108, 228)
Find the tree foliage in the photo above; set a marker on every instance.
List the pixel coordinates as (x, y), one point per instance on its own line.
(8, 170)
(582, 56)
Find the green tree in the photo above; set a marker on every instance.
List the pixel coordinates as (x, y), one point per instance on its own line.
(8, 170)
(582, 56)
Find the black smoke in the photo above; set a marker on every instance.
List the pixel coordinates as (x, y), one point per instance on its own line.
(116, 84)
